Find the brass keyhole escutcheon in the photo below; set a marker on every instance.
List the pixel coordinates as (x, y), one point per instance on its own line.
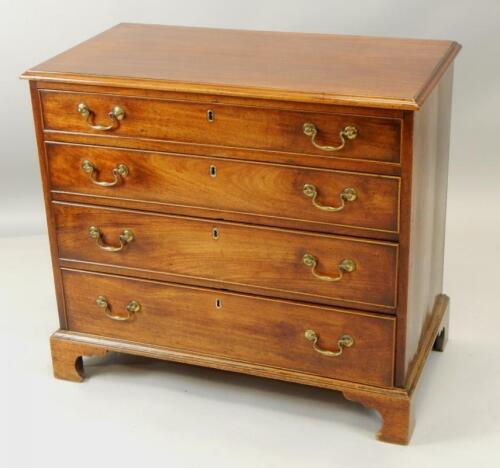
(210, 115)
(213, 171)
(218, 303)
(215, 233)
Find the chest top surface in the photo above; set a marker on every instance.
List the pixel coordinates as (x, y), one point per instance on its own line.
(354, 70)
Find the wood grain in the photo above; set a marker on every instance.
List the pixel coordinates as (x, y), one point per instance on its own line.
(67, 358)
(233, 126)
(404, 245)
(245, 328)
(353, 70)
(428, 213)
(241, 300)
(268, 260)
(232, 100)
(396, 414)
(270, 190)
(437, 322)
(45, 179)
(328, 160)
(393, 404)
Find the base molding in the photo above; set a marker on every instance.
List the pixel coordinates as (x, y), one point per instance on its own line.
(393, 404)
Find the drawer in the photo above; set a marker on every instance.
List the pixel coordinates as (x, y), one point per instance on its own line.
(364, 201)
(269, 261)
(234, 326)
(269, 129)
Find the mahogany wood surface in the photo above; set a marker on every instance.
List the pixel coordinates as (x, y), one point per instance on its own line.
(67, 358)
(396, 414)
(246, 328)
(261, 87)
(404, 247)
(44, 173)
(393, 404)
(364, 71)
(232, 126)
(326, 160)
(230, 100)
(428, 213)
(270, 190)
(200, 212)
(267, 260)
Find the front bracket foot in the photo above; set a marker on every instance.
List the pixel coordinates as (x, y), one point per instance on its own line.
(397, 421)
(67, 356)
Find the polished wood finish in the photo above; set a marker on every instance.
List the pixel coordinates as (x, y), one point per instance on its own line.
(267, 260)
(172, 202)
(326, 160)
(396, 414)
(233, 126)
(67, 358)
(44, 172)
(353, 70)
(404, 248)
(234, 326)
(393, 404)
(429, 187)
(270, 190)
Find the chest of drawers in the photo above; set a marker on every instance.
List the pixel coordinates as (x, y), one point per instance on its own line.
(256, 202)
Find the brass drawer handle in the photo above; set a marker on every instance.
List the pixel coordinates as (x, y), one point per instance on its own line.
(119, 172)
(345, 266)
(348, 132)
(132, 308)
(116, 114)
(125, 237)
(347, 195)
(345, 341)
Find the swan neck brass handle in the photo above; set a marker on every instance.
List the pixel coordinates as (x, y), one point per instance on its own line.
(345, 266)
(347, 195)
(349, 132)
(132, 308)
(120, 171)
(125, 237)
(116, 114)
(345, 341)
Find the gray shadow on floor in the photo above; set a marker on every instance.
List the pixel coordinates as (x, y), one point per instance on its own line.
(445, 406)
(231, 388)
(450, 402)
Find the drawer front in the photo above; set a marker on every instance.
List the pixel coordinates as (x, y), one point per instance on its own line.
(274, 262)
(319, 196)
(377, 139)
(235, 326)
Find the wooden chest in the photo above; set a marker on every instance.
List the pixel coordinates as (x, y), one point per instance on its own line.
(257, 202)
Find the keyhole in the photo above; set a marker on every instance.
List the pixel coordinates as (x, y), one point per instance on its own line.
(215, 233)
(210, 115)
(213, 171)
(218, 303)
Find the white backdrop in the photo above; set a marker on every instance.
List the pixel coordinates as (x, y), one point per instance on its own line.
(464, 422)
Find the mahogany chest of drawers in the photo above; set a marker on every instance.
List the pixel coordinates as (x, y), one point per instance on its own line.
(257, 202)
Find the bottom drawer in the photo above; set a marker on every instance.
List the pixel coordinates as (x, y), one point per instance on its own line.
(235, 326)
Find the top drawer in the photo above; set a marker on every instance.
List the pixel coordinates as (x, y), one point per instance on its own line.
(266, 129)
